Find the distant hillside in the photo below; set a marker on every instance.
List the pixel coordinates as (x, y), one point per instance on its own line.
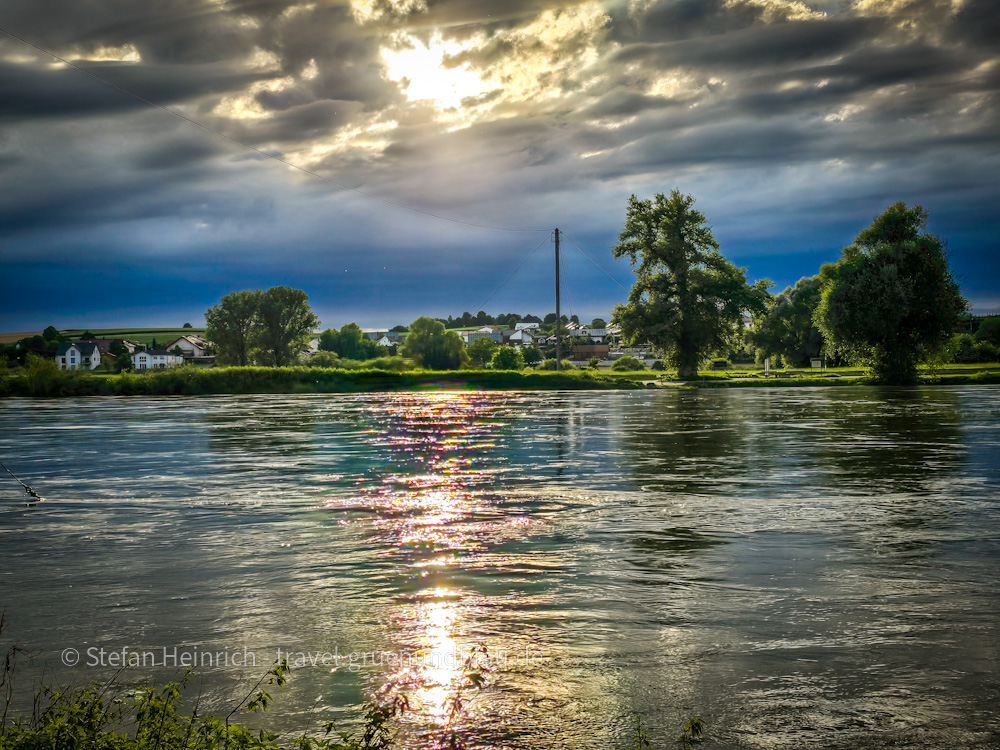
(143, 335)
(13, 338)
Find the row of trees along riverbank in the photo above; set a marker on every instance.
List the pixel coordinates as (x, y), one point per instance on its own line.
(889, 303)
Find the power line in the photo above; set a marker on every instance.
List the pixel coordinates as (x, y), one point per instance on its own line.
(256, 150)
(511, 274)
(606, 272)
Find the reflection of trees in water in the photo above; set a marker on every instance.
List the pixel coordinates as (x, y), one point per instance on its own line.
(873, 458)
(895, 440)
(686, 448)
(693, 442)
(270, 426)
(900, 452)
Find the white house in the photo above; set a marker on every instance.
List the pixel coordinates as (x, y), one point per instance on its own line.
(386, 341)
(191, 345)
(80, 355)
(155, 359)
(518, 338)
(597, 334)
(525, 326)
(492, 332)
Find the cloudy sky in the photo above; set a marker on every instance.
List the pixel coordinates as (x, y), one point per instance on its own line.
(792, 122)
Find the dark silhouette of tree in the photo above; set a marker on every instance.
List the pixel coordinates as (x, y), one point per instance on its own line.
(891, 301)
(688, 300)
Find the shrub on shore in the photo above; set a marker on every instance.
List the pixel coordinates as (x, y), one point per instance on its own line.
(628, 364)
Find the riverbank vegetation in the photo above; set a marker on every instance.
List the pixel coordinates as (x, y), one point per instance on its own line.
(116, 714)
(42, 378)
(113, 716)
(889, 304)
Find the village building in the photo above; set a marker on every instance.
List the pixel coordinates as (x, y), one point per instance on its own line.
(156, 359)
(583, 352)
(492, 332)
(518, 338)
(80, 355)
(191, 346)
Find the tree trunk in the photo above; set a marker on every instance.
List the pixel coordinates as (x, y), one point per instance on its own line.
(687, 357)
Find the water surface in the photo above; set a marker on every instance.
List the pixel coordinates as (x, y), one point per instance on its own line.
(801, 567)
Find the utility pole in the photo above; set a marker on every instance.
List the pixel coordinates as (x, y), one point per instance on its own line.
(558, 315)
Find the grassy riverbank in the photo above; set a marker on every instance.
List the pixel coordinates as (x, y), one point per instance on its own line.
(980, 374)
(191, 381)
(973, 378)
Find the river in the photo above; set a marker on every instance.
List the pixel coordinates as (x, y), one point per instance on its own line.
(808, 568)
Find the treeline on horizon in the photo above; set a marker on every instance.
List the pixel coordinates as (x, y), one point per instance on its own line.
(889, 304)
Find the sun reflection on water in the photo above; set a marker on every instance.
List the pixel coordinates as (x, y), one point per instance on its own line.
(430, 507)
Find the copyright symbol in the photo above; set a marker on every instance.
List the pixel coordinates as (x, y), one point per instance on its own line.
(70, 657)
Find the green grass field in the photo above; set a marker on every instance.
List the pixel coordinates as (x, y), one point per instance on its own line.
(144, 336)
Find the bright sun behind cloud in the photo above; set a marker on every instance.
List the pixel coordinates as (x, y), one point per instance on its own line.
(420, 69)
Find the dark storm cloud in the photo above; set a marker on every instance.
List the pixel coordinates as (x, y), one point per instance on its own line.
(683, 19)
(178, 153)
(774, 44)
(794, 128)
(313, 120)
(466, 17)
(624, 103)
(168, 31)
(978, 21)
(28, 92)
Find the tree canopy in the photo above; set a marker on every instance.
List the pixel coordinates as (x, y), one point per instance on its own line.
(434, 347)
(688, 300)
(272, 326)
(231, 325)
(891, 301)
(787, 327)
(989, 331)
(350, 343)
(285, 323)
(507, 358)
(481, 351)
(532, 355)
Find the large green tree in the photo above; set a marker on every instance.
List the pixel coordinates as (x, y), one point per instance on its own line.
(285, 324)
(532, 355)
(891, 301)
(787, 327)
(507, 358)
(231, 326)
(481, 351)
(350, 343)
(688, 300)
(989, 330)
(434, 347)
